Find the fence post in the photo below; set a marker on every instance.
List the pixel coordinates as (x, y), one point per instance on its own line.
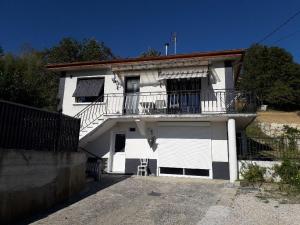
(58, 130)
(106, 104)
(78, 134)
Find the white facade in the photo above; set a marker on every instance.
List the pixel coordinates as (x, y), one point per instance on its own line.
(221, 79)
(176, 145)
(193, 145)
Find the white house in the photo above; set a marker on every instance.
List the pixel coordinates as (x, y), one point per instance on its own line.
(181, 112)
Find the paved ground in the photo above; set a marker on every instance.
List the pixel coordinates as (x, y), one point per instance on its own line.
(160, 200)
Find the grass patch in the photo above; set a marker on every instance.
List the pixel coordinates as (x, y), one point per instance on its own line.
(273, 192)
(253, 130)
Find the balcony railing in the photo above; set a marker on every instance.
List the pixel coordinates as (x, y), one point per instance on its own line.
(179, 102)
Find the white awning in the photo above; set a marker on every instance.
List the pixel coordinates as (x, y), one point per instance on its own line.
(181, 73)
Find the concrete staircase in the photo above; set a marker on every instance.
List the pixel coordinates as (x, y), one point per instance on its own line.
(91, 127)
(92, 116)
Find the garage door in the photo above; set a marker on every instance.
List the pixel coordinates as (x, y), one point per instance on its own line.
(184, 147)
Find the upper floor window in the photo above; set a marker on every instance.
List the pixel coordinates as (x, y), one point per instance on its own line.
(89, 90)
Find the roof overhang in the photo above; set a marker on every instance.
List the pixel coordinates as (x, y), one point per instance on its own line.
(179, 60)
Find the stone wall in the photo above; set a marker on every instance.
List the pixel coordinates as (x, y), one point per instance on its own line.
(275, 129)
(31, 181)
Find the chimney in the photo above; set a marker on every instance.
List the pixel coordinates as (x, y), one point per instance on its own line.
(167, 48)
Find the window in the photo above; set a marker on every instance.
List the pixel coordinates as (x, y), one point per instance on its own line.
(170, 170)
(120, 142)
(184, 95)
(197, 172)
(184, 171)
(89, 90)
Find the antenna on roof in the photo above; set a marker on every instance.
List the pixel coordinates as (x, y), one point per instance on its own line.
(174, 40)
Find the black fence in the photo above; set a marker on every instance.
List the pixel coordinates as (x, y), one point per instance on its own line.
(268, 149)
(24, 127)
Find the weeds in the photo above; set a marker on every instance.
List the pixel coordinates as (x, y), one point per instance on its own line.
(289, 173)
(253, 173)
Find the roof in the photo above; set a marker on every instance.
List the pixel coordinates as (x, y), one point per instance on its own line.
(224, 54)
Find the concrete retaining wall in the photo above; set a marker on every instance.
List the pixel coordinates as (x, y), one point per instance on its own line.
(276, 129)
(31, 181)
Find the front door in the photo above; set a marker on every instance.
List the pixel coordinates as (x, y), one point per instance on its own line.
(118, 153)
(132, 89)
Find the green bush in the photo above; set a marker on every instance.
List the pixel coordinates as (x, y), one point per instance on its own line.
(297, 180)
(253, 130)
(289, 172)
(253, 173)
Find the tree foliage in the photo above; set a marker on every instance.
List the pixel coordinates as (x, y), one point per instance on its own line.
(151, 52)
(24, 78)
(273, 75)
(71, 50)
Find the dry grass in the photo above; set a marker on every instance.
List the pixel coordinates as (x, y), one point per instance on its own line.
(279, 117)
(273, 191)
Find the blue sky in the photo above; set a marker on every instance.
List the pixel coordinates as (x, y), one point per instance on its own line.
(130, 27)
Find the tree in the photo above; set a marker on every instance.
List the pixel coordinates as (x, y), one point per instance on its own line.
(151, 52)
(93, 50)
(67, 50)
(23, 79)
(272, 74)
(71, 50)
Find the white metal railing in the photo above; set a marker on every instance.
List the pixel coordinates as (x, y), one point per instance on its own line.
(179, 102)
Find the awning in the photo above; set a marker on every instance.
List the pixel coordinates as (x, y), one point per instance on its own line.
(181, 73)
(88, 87)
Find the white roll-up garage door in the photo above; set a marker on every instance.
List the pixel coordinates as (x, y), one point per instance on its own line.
(184, 147)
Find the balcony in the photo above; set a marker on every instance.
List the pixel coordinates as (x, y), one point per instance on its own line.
(179, 102)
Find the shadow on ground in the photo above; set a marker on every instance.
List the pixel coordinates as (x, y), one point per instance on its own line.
(91, 188)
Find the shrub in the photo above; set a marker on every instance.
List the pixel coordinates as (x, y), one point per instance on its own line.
(254, 130)
(253, 173)
(289, 172)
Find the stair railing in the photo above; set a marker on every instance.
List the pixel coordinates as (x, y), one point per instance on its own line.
(92, 112)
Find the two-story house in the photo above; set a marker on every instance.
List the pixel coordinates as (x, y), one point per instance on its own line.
(181, 112)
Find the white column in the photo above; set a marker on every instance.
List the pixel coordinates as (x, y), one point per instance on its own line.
(233, 170)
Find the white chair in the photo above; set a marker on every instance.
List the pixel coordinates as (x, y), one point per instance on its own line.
(142, 169)
(160, 106)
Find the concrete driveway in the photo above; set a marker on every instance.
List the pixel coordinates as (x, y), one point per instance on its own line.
(164, 200)
(142, 200)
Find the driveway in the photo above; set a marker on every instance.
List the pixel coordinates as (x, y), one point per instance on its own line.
(141, 200)
(164, 200)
